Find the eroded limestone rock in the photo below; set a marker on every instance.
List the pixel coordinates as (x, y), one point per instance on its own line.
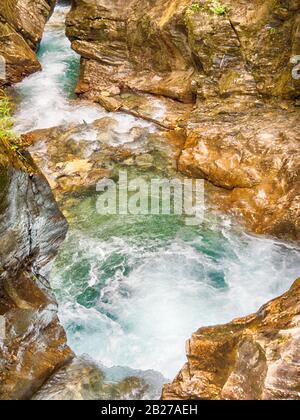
(254, 157)
(75, 157)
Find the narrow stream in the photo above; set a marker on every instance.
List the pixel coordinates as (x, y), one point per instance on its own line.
(132, 289)
(46, 99)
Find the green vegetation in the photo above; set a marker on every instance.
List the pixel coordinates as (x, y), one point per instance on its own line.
(272, 31)
(214, 6)
(10, 146)
(193, 9)
(6, 122)
(217, 8)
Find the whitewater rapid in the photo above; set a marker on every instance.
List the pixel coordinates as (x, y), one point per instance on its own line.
(46, 99)
(133, 289)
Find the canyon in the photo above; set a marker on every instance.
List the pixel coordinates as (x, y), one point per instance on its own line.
(202, 89)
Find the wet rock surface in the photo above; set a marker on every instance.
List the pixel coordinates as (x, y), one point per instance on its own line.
(21, 28)
(182, 49)
(83, 379)
(32, 343)
(254, 158)
(253, 358)
(227, 66)
(75, 157)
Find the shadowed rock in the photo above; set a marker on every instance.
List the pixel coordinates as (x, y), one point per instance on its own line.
(32, 342)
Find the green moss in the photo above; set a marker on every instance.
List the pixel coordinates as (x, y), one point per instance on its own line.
(12, 152)
(193, 9)
(214, 6)
(217, 8)
(10, 145)
(6, 123)
(273, 31)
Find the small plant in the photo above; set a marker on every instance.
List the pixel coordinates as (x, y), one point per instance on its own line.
(8, 139)
(193, 9)
(217, 8)
(214, 6)
(6, 123)
(272, 31)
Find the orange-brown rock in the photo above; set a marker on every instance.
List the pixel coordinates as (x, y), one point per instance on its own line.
(254, 157)
(231, 59)
(76, 157)
(253, 358)
(182, 48)
(21, 28)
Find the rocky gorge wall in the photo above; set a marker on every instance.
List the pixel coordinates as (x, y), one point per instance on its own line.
(183, 48)
(32, 342)
(21, 28)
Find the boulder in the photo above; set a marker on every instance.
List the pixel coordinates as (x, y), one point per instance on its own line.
(22, 25)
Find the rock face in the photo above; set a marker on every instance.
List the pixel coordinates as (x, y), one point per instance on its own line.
(231, 61)
(111, 37)
(254, 157)
(83, 379)
(253, 358)
(21, 28)
(183, 48)
(32, 342)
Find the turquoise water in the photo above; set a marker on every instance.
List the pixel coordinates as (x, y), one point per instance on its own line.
(56, 44)
(47, 98)
(132, 289)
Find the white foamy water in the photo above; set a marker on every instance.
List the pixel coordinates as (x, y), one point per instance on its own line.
(45, 96)
(133, 300)
(46, 99)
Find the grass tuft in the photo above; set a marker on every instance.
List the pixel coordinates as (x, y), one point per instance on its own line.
(213, 6)
(217, 8)
(10, 144)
